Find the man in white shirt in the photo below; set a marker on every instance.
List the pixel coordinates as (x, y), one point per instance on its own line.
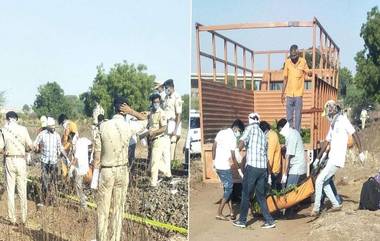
(337, 137)
(80, 166)
(49, 143)
(223, 154)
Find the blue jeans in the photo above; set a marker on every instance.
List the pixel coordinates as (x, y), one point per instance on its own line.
(254, 180)
(322, 183)
(333, 188)
(225, 177)
(294, 179)
(294, 111)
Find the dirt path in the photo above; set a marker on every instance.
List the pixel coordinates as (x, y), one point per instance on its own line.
(204, 226)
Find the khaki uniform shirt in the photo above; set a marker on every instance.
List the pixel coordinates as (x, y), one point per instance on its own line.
(157, 120)
(16, 139)
(172, 105)
(112, 140)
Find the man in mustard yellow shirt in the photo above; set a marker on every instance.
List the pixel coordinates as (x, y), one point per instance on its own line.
(294, 80)
(274, 155)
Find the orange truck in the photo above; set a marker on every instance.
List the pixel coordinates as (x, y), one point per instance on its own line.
(230, 85)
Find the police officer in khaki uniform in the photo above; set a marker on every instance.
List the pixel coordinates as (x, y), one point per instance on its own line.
(14, 143)
(173, 110)
(111, 156)
(157, 124)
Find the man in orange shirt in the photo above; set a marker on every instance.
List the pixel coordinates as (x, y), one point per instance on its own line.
(68, 128)
(294, 80)
(274, 156)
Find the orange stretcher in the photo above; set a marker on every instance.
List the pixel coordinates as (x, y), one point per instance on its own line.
(287, 200)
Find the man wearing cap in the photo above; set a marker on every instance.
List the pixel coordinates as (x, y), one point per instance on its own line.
(160, 156)
(48, 142)
(173, 110)
(14, 142)
(43, 120)
(294, 168)
(111, 157)
(337, 138)
(255, 171)
(294, 80)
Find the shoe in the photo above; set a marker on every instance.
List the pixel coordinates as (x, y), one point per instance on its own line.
(40, 205)
(314, 213)
(336, 209)
(239, 224)
(268, 225)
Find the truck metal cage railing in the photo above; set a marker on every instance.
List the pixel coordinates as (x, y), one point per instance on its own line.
(239, 73)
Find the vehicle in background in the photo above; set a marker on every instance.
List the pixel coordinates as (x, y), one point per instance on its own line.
(195, 132)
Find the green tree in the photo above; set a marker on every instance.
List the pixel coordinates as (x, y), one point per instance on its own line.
(75, 106)
(26, 108)
(345, 76)
(368, 60)
(354, 97)
(185, 108)
(123, 79)
(50, 100)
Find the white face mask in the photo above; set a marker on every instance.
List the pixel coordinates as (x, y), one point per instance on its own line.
(237, 134)
(156, 106)
(12, 120)
(253, 121)
(285, 130)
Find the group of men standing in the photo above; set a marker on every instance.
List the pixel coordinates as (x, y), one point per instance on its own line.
(15, 143)
(263, 162)
(114, 143)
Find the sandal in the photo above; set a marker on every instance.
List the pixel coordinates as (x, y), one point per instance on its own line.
(218, 217)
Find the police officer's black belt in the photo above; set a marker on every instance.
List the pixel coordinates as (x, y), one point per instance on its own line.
(157, 137)
(122, 165)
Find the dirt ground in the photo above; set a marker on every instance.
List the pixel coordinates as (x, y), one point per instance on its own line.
(66, 221)
(348, 224)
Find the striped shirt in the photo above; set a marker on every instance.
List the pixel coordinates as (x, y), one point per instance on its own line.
(51, 146)
(256, 145)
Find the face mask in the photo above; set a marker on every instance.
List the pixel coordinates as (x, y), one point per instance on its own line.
(12, 120)
(253, 121)
(237, 134)
(285, 130)
(167, 91)
(156, 106)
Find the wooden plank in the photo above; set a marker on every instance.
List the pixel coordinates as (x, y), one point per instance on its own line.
(256, 25)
